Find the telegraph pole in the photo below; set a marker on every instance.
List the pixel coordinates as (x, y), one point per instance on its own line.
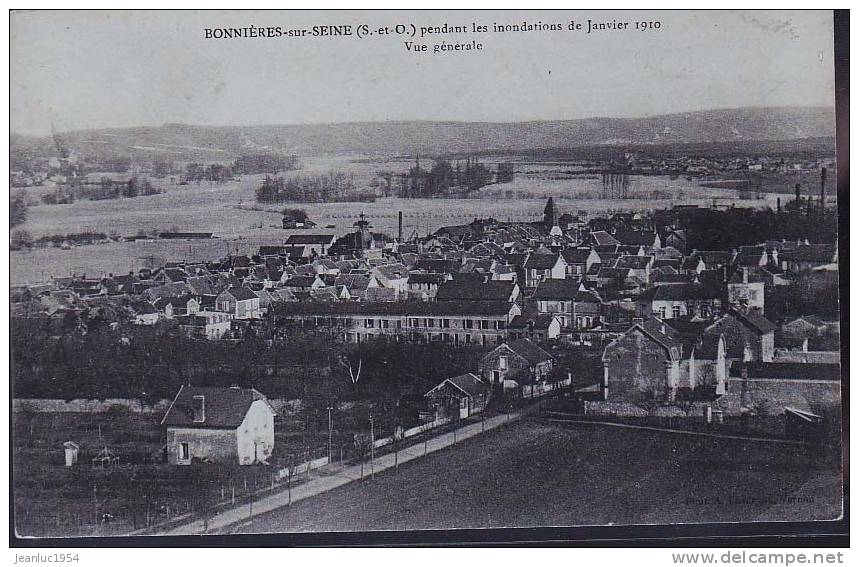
(372, 449)
(329, 433)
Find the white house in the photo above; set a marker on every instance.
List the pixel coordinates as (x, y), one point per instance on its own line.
(222, 425)
(240, 302)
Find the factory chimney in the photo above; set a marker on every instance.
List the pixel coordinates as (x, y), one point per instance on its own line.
(797, 186)
(822, 189)
(400, 226)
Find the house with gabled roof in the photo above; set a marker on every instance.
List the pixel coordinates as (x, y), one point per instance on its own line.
(240, 302)
(674, 301)
(678, 239)
(602, 238)
(580, 260)
(540, 267)
(643, 363)
(515, 363)
(638, 266)
(459, 397)
(749, 336)
(392, 276)
(314, 244)
(219, 425)
(424, 286)
(535, 326)
(144, 313)
(650, 240)
(304, 282)
(747, 289)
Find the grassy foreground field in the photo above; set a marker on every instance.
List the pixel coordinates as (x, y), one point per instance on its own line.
(53, 500)
(535, 474)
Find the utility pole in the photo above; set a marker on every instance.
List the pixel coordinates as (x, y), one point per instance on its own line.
(329, 433)
(372, 449)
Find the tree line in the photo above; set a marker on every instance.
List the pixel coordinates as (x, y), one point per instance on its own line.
(56, 358)
(331, 187)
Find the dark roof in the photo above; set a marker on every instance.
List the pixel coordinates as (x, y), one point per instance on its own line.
(556, 290)
(667, 262)
(671, 279)
(271, 250)
(788, 370)
(468, 384)
(541, 261)
(757, 322)
(300, 281)
(529, 351)
(629, 249)
(613, 273)
(633, 262)
(602, 237)
(540, 322)
(814, 253)
(708, 346)
(241, 293)
(588, 296)
(463, 289)
(143, 308)
(224, 407)
(352, 281)
(685, 292)
(310, 239)
(692, 262)
(813, 320)
(714, 256)
(438, 265)
(635, 237)
(417, 309)
(576, 255)
(662, 334)
(171, 235)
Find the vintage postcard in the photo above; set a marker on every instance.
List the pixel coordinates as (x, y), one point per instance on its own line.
(362, 271)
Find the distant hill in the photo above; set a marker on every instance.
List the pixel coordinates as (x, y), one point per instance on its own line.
(181, 142)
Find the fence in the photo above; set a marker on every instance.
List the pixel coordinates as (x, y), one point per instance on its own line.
(87, 406)
(44, 405)
(543, 388)
(425, 427)
(308, 465)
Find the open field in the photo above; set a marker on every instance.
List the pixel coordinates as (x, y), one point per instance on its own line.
(534, 474)
(230, 212)
(51, 499)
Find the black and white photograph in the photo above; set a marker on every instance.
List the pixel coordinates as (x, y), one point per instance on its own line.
(397, 271)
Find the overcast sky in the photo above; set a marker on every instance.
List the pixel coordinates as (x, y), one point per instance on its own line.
(115, 69)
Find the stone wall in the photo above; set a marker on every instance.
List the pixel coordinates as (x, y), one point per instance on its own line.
(636, 368)
(215, 445)
(774, 395)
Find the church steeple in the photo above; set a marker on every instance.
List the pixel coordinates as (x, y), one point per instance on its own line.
(550, 214)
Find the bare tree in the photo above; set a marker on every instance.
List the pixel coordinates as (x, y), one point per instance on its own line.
(354, 372)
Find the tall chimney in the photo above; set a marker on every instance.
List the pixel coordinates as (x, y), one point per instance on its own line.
(199, 407)
(778, 205)
(400, 225)
(822, 189)
(797, 186)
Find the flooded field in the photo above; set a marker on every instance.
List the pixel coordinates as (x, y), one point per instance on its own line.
(241, 225)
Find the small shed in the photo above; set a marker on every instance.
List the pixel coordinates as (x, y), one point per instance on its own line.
(459, 397)
(802, 424)
(71, 450)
